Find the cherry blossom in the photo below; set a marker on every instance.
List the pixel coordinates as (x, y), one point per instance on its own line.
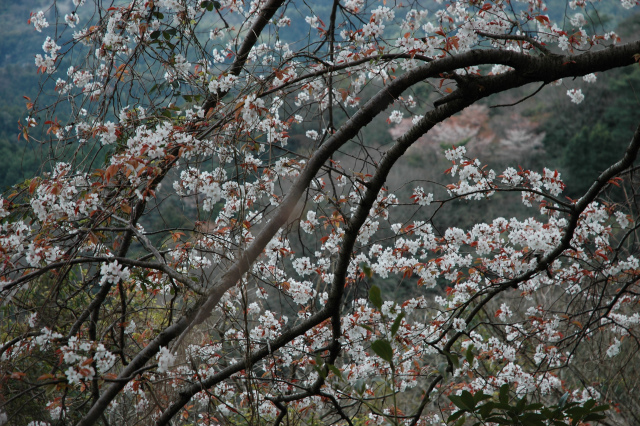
(218, 236)
(575, 95)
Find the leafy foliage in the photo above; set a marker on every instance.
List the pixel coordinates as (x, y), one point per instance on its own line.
(520, 413)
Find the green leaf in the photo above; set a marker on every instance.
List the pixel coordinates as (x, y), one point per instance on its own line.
(538, 417)
(468, 399)
(335, 370)
(504, 394)
(563, 400)
(463, 403)
(594, 417)
(366, 327)
(501, 406)
(368, 272)
(499, 420)
(453, 358)
(442, 369)
(548, 414)
(396, 324)
(461, 421)
(455, 416)
(207, 5)
(318, 367)
(469, 355)
(531, 422)
(154, 34)
(480, 396)
(532, 407)
(375, 297)
(486, 409)
(571, 404)
(577, 412)
(589, 404)
(383, 349)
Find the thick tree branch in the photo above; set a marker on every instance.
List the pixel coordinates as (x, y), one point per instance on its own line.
(527, 69)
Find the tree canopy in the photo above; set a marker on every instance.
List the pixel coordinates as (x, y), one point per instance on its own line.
(224, 229)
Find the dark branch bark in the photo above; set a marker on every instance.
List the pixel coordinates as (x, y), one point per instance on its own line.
(266, 13)
(527, 69)
(565, 244)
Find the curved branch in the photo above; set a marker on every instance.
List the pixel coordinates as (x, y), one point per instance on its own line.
(15, 340)
(565, 244)
(522, 37)
(532, 69)
(266, 13)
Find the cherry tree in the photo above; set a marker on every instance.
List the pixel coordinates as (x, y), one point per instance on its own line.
(211, 240)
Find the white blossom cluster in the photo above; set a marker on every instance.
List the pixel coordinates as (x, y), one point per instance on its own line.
(76, 355)
(236, 175)
(47, 62)
(113, 273)
(165, 360)
(38, 21)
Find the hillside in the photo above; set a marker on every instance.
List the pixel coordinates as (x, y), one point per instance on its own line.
(556, 138)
